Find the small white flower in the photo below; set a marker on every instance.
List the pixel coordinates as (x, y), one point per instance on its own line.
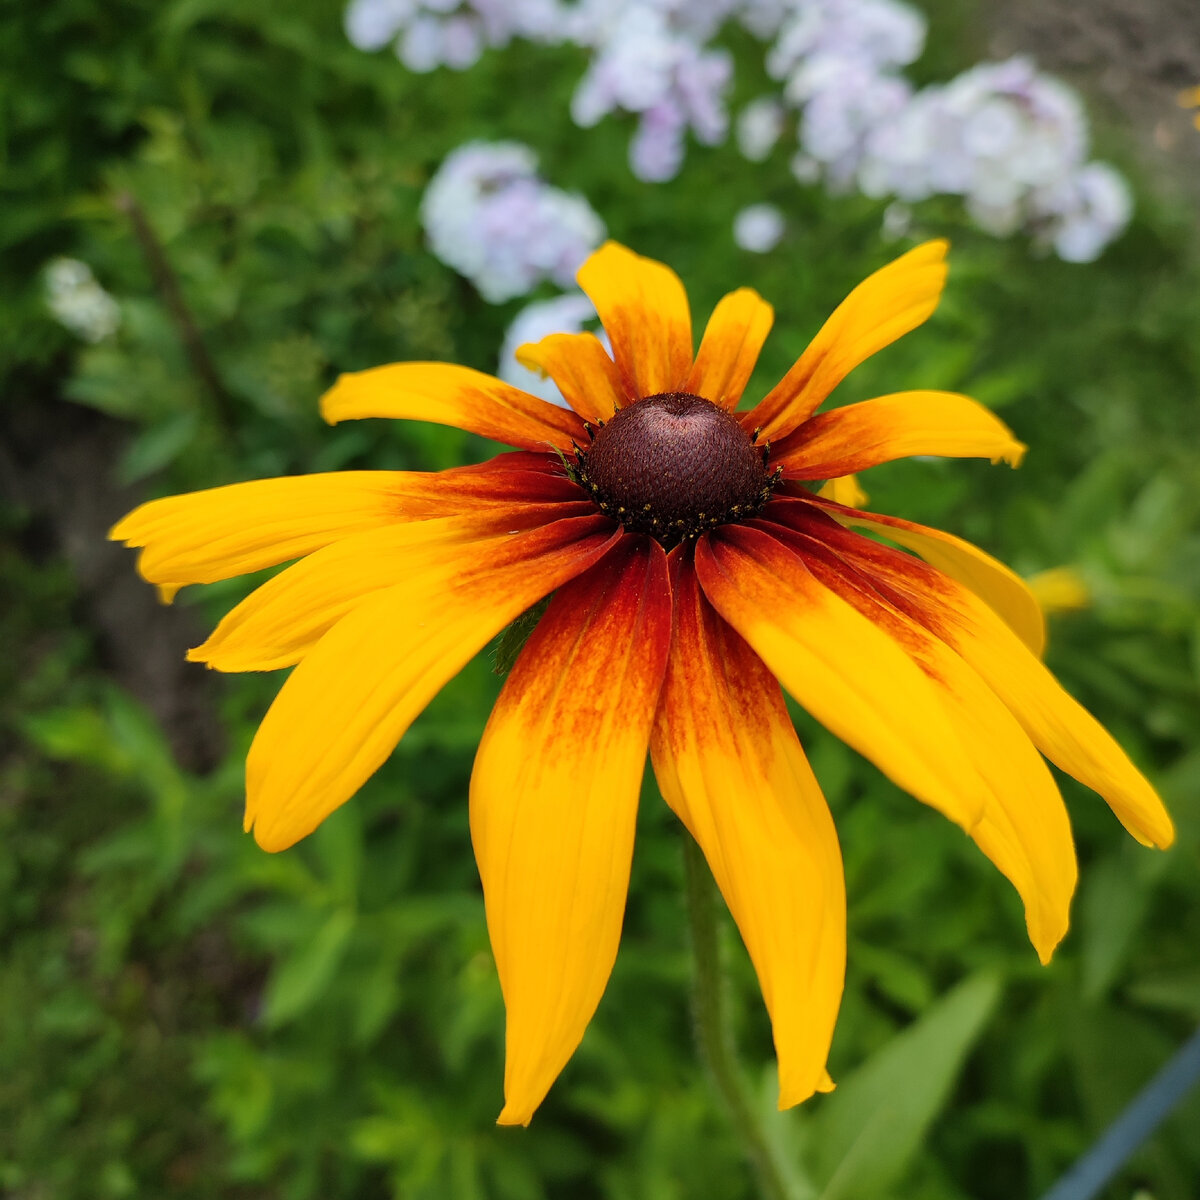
(758, 228)
(78, 302)
(759, 127)
(563, 314)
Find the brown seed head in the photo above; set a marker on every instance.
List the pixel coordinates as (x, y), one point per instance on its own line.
(674, 465)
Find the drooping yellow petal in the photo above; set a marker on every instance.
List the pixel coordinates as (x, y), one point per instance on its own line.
(645, 313)
(1061, 728)
(553, 806)
(889, 427)
(986, 576)
(1024, 828)
(452, 395)
(729, 349)
(578, 362)
(885, 306)
(222, 532)
(281, 621)
(350, 700)
(844, 490)
(849, 674)
(729, 763)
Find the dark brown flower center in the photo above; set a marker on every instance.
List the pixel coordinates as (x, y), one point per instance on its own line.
(673, 466)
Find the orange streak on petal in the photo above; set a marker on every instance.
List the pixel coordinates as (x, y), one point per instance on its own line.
(578, 362)
(885, 306)
(1024, 827)
(729, 349)
(554, 801)
(645, 312)
(876, 431)
(1061, 728)
(349, 701)
(284, 618)
(850, 674)
(993, 582)
(729, 763)
(221, 532)
(451, 395)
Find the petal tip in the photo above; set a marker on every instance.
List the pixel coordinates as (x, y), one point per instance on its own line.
(271, 839)
(327, 405)
(792, 1094)
(510, 1115)
(527, 355)
(1013, 454)
(119, 532)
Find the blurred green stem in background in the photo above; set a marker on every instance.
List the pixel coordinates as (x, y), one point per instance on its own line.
(714, 1038)
(166, 283)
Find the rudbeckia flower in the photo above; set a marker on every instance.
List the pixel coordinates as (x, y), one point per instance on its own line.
(692, 569)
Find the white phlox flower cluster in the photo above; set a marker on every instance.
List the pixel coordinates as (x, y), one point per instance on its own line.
(1008, 140)
(489, 215)
(569, 313)
(427, 34)
(78, 302)
(839, 62)
(645, 64)
(1013, 143)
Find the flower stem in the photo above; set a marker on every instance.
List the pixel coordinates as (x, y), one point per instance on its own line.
(714, 1037)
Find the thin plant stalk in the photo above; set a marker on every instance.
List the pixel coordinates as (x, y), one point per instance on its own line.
(710, 1013)
(166, 283)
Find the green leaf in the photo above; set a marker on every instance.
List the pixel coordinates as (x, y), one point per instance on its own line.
(303, 976)
(869, 1129)
(512, 641)
(1113, 906)
(157, 447)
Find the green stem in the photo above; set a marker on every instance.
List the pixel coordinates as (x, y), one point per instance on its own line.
(714, 1038)
(167, 284)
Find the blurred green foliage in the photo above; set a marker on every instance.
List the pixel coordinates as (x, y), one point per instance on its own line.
(186, 1015)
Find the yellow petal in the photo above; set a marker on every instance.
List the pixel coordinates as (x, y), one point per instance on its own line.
(885, 306)
(729, 763)
(729, 349)
(580, 365)
(645, 313)
(1024, 828)
(221, 532)
(345, 706)
(452, 395)
(1060, 589)
(849, 674)
(1189, 97)
(877, 431)
(844, 490)
(216, 534)
(1061, 728)
(281, 621)
(553, 806)
(986, 576)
